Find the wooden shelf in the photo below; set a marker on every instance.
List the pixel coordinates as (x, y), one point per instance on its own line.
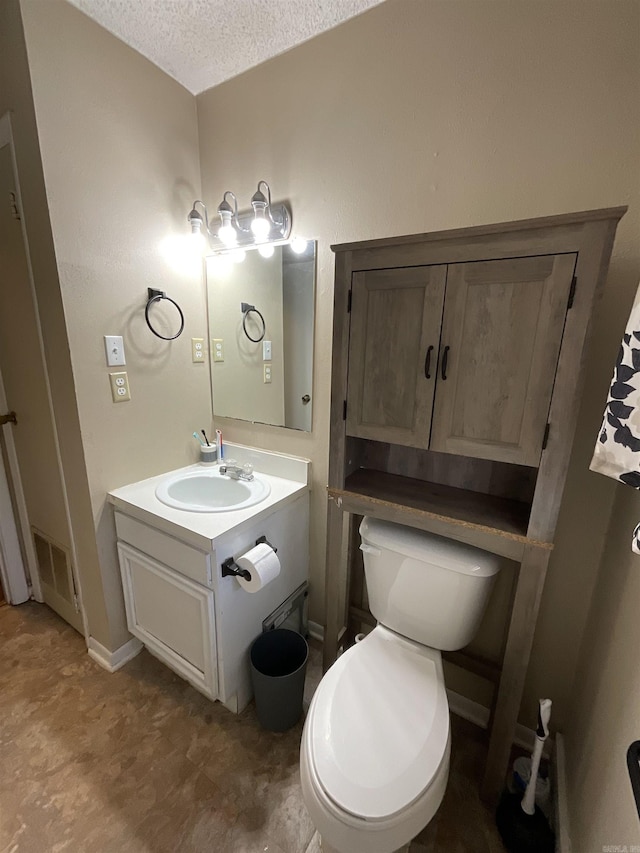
(497, 524)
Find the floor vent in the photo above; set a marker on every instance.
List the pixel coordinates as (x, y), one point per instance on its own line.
(54, 566)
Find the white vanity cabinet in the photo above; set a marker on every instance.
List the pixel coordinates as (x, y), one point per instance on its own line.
(169, 603)
(178, 605)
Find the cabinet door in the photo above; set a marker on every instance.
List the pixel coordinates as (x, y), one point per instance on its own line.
(501, 332)
(393, 349)
(172, 616)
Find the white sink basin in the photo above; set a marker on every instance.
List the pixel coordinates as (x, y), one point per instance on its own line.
(210, 491)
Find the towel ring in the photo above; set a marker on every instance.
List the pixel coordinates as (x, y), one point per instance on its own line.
(156, 296)
(246, 310)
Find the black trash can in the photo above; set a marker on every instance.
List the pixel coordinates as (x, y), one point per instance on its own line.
(278, 667)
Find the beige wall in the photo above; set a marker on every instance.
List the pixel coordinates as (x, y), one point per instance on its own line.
(16, 95)
(24, 375)
(605, 716)
(120, 155)
(426, 115)
(239, 388)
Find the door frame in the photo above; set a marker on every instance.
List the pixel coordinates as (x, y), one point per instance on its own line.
(7, 139)
(19, 581)
(13, 573)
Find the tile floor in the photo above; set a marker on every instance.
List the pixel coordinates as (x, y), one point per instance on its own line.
(139, 762)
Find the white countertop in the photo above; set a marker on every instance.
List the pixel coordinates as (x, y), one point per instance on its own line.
(201, 529)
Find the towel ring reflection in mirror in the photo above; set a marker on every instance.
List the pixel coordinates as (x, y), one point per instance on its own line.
(251, 309)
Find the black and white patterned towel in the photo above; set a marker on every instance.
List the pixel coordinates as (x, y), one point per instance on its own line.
(617, 450)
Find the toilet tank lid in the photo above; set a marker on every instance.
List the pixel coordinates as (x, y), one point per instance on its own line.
(429, 548)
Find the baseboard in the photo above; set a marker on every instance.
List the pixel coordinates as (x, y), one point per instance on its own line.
(468, 710)
(563, 837)
(477, 714)
(316, 631)
(112, 661)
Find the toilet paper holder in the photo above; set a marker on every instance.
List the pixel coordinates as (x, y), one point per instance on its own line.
(231, 569)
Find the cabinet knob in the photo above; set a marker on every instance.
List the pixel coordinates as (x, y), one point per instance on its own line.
(427, 363)
(306, 398)
(445, 359)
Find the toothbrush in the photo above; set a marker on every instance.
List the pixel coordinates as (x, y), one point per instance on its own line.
(219, 442)
(195, 435)
(205, 437)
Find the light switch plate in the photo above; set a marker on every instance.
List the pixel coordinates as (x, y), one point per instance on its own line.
(266, 350)
(267, 374)
(119, 387)
(218, 349)
(197, 350)
(114, 349)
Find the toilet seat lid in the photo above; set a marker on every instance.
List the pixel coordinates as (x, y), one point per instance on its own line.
(380, 725)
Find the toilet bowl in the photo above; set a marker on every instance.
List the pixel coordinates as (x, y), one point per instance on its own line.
(374, 757)
(375, 747)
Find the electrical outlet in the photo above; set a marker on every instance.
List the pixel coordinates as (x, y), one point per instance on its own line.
(266, 350)
(119, 387)
(267, 374)
(197, 350)
(114, 348)
(218, 349)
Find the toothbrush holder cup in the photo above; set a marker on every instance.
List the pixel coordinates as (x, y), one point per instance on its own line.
(208, 454)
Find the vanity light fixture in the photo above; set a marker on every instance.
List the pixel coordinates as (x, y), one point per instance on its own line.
(262, 219)
(195, 219)
(264, 225)
(227, 231)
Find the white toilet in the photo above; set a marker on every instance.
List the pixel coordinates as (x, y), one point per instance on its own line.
(374, 758)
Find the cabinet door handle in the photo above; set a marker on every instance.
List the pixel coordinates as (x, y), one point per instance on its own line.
(445, 359)
(427, 363)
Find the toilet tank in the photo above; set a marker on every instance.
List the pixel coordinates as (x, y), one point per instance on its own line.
(427, 588)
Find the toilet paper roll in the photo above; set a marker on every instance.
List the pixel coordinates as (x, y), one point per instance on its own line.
(263, 565)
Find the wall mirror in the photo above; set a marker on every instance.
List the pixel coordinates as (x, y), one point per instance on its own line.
(261, 325)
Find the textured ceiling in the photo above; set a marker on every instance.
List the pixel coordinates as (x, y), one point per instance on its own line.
(203, 42)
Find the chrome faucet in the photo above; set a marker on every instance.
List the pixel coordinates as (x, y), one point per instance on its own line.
(236, 472)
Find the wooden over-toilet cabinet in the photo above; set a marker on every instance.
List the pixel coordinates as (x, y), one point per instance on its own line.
(458, 358)
(458, 362)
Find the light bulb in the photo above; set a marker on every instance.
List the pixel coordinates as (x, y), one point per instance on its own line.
(227, 233)
(298, 245)
(266, 250)
(238, 256)
(197, 242)
(260, 226)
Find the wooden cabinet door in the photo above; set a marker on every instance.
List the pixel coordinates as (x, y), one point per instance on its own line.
(501, 332)
(393, 349)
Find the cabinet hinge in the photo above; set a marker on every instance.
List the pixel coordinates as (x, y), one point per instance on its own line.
(344, 410)
(349, 302)
(545, 437)
(76, 603)
(572, 292)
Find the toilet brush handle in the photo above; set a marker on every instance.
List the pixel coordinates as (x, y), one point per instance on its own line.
(542, 732)
(529, 799)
